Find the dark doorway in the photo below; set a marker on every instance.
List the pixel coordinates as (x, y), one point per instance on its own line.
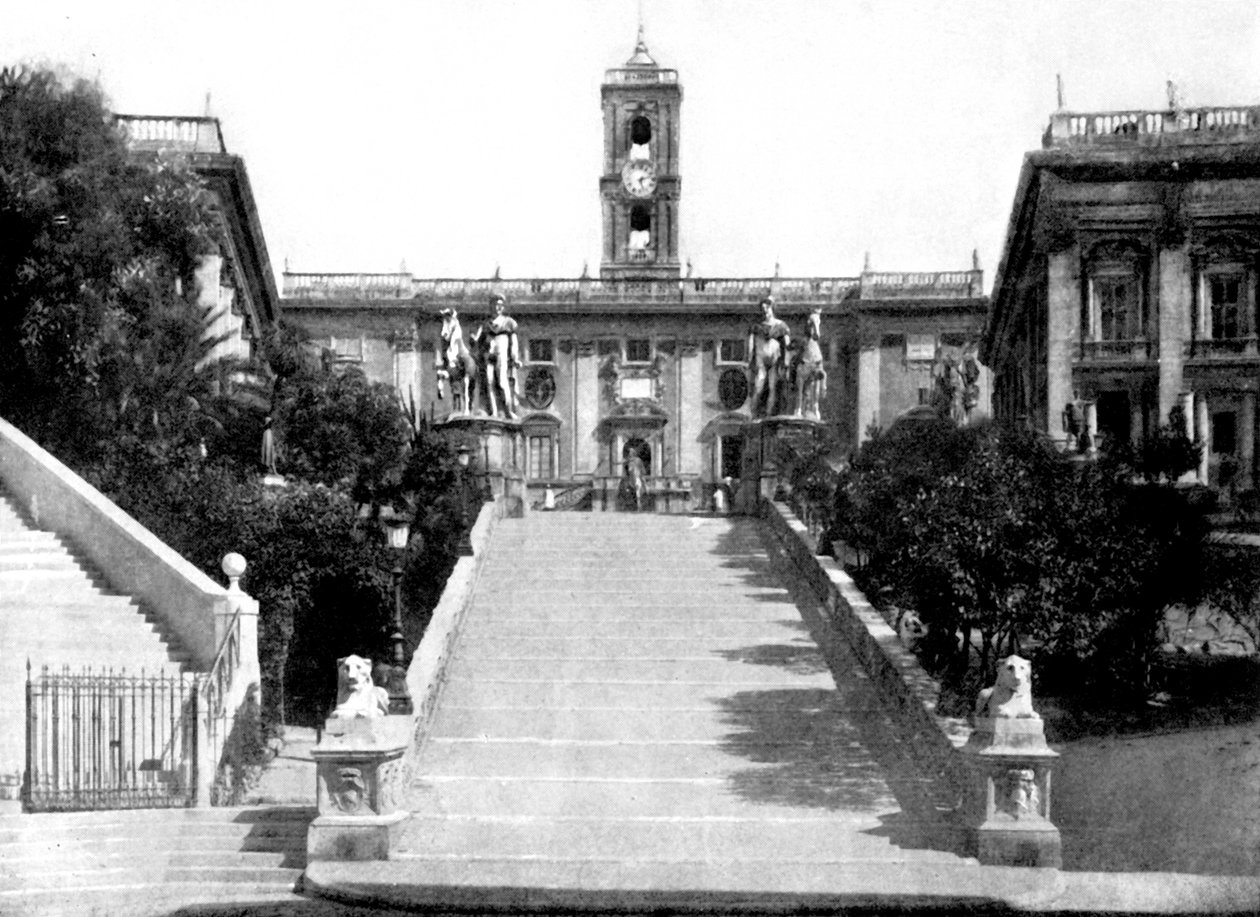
(642, 450)
(732, 456)
(1114, 419)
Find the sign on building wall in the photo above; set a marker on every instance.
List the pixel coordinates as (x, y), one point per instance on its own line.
(636, 388)
(920, 347)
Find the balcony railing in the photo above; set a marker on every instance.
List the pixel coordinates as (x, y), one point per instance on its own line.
(1118, 128)
(1135, 350)
(352, 287)
(1222, 348)
(641, 75)
(156, 132)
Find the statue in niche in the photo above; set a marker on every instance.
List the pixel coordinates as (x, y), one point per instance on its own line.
(768, 343)
(502, 357)
(357, 696)
(268, 453)
(969, 376)
(947, 389)
(1072, 426)
(456, 365)
(811, 378)
(1010, 696)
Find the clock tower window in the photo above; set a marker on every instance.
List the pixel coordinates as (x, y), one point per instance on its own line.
(640, 138)
(640, 228)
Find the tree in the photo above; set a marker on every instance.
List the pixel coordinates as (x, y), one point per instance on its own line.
(96, 291)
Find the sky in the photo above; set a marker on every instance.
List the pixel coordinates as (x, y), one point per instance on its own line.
(457, 136)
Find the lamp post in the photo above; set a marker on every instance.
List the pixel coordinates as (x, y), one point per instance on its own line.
(465, 542)
(398, 532)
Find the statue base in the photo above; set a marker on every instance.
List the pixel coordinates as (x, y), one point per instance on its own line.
(497, 453)
(760, 471)
(359, 780)
(1007, 808)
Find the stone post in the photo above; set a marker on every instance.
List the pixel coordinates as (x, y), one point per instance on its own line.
(359, 782)
(1007, 808)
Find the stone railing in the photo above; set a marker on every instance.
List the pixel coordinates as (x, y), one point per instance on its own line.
(157, 132)
(1222, 348)
(1133, 350)
(897, 674)
(640, 75)
(921, 284)
(1118, 128)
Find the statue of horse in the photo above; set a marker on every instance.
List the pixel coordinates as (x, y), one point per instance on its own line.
(456, 364)
(811, 378)
(768, 343)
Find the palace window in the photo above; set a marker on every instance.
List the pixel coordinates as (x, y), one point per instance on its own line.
(1116, 304)
(542, 351)
(1225, 291)
(733, 350)
(638, 350)
(539, 466)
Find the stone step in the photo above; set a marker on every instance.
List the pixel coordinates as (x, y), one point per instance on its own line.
(698, 669)
(758, 762)
(683, 625)
(661, 840)
(801, 801)
(786, 725)
(163, 898)
(38, 560)
(134, 875)
(611, 696)
(527, 612)
(661, 644)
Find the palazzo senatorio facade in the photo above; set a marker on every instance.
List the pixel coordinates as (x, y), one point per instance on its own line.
(645, 357)
(1127, 292)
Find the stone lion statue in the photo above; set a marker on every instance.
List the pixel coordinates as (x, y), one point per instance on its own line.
(911, 629)
(357, 696)
(1011, 694)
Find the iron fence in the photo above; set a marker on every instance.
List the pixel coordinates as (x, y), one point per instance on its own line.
(106, 740)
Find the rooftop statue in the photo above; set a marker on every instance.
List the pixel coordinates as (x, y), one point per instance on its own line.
(768, 342)
(811, 378)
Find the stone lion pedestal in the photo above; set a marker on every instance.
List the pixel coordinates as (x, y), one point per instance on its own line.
(1007, 809)
(358, 787)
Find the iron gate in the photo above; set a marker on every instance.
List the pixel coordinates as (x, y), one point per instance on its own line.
(108, 740)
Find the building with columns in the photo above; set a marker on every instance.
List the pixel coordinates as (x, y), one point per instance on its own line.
(1128, 283)
(236, 284)
(646, 357)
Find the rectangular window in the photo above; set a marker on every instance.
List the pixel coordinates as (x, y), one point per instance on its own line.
(1225, 303)
(638, 350)
(1117, 307)
(733, 350)
(539, 463)
(347, 349)
(542, 351)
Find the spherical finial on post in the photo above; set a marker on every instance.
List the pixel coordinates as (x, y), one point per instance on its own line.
(233, 568)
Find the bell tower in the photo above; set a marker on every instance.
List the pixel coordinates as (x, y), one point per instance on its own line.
(640, 187)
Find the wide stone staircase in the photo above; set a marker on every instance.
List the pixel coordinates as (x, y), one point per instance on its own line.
(643, 711)
(58, 611)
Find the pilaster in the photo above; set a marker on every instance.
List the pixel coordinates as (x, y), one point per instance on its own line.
(868, 388)
(690, 408)
(1174, 324)
(1063, 336)
(585, 407)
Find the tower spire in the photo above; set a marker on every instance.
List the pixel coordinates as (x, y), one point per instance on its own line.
(641, 57)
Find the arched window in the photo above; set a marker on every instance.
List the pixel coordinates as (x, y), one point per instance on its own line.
(640, 228)
(640, 138)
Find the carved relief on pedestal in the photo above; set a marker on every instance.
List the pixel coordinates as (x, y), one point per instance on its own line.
(1021, 798)
(349, 791)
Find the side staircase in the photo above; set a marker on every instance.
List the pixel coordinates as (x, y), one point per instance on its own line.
(150, 861)
(55, 611)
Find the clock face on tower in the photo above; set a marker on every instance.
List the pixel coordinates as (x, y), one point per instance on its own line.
(638, 176)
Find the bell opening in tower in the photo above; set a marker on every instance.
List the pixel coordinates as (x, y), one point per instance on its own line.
(640, 138)
(640, 241)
